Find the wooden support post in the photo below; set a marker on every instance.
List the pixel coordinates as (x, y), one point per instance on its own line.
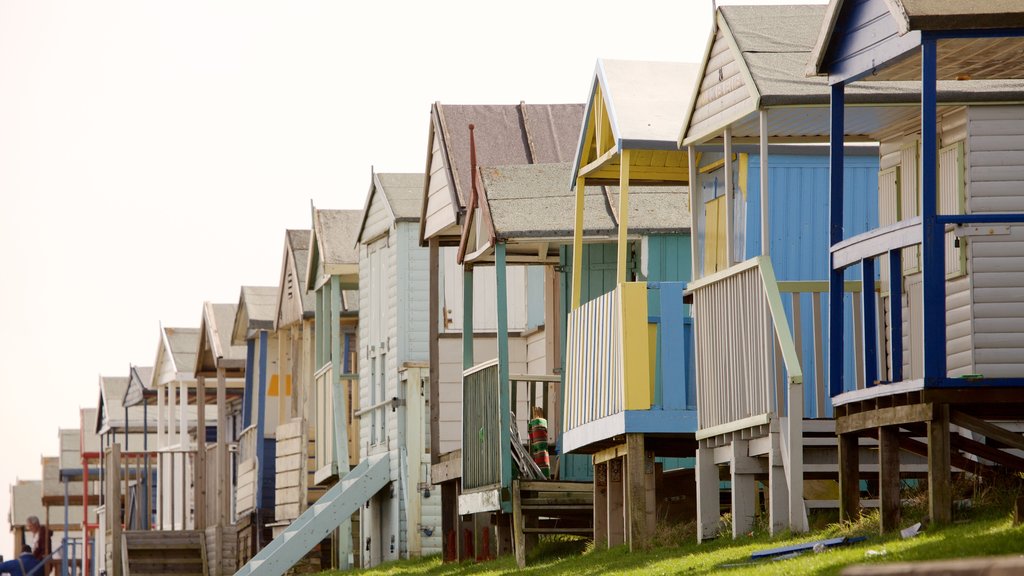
(849, 478)
(518, 536)
(778, 489)
(636, 516)
(601, 505)
(622, 262)
(450, 536)
(113, 508)
(708, 494)
(434, 328)
(940, 496)
(743, 495)
(616, 509)
(577, 247)
(223, 477)
(889, 477)
(199, 482)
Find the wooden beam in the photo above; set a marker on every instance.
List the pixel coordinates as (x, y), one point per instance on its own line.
(434, 321)
(889, 477)
(637, 515)
(601, 504)
(743, 489)
(616, 515)
(987, 452)
(623, 244)
(602, 161)
(199, 483)
(940, 496)
(986, 429)
(708, 493)
(518, 536)
(730, 218)
(890, 416)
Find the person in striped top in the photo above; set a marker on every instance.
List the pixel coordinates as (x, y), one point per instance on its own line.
(538, 429)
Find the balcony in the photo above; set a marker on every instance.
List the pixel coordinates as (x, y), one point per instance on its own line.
(629, 367)
(326, 425)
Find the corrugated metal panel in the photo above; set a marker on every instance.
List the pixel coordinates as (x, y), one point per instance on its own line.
(723, 92)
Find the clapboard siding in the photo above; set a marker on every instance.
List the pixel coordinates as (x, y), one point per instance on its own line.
(413, 276)
(723, 94)
(440, 213)
(995, 163)
(378, 218)
(485, 316)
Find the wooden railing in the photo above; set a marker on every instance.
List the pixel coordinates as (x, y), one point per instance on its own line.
(481, 427)
(174, 490)
(323, 388)
(248, 467)
(739, 321)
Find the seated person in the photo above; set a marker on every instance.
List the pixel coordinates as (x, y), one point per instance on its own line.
(22, 565)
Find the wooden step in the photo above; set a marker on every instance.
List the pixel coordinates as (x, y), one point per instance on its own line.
(545, 530)
(581, 508)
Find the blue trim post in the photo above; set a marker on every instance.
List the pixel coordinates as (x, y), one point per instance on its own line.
(932, 245)
(504, 399)
(835, 277)
(896, 313)
(869, 322)
(250, 351)
(671, 343)
(261, 418)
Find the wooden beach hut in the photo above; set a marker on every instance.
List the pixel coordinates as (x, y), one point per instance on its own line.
(505, 135)
(755, 134)
(944, 378)
(616, 407)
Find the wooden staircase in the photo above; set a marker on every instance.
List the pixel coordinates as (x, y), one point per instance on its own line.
(549, 507)
(164, 553)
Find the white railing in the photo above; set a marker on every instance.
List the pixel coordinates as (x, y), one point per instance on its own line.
(739, 320)
(593, 361)
(324, 417)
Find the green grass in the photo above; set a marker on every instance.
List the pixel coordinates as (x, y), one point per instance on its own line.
(984, 530)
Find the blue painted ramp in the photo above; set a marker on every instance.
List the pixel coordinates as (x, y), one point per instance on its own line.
(322, 518)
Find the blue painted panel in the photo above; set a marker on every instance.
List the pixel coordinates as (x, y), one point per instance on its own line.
(865, 36)
(269, 480)
(799, 224)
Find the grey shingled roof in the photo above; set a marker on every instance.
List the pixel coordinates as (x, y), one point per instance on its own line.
(533, 201)
(184, 344)
(336, 232)
(256, 310)
(403, 192)
(506, 135)
(778, 63)
(298, 243)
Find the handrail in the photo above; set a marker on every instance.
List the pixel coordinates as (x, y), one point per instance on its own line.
(876, 242)
(783, 335)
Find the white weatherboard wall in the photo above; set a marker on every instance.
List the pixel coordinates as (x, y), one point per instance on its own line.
(995, 165)
(899, 183)
(393, 334)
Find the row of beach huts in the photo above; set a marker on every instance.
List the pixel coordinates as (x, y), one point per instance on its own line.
(784, 278)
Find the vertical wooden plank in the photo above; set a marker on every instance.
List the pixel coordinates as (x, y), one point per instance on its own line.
(763, 157)
(636, 514)
(795, 444)
(708, 488)
(940, 498)
(837, 130)
(622, 262)
(860, 340)
(467, 317)
(113, 509)
(518, 537)
(199, 482)
(849, 478)
(820, 390)
(504, 398)
(223, 477)
(889, 477)
(691, 157)
(616, 503)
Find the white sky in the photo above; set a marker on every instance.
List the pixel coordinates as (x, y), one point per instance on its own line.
(153, 153)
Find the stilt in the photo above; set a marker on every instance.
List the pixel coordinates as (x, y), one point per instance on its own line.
(616, 517)
(889, 477)
(708, 494)
(778, 490)
(940, 498)
(518, 536)
(743, 495)
(601, 505)
(450, 520)
(849, 478)
(636, 516)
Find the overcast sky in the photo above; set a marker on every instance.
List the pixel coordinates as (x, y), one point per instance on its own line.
(152, 154)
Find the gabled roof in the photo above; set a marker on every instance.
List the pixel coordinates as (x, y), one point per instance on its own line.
(215, 349)
(531, 203)
(293, 272)
(908, 18)
(332, 246)
(140, 382)
(110, 415)
(400, 193)
(644, 103)
(256, 308)
(178, 346)
(505, 135)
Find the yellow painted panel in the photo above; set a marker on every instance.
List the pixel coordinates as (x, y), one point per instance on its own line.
(636, 368)
(714, 235)
(272, 387)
